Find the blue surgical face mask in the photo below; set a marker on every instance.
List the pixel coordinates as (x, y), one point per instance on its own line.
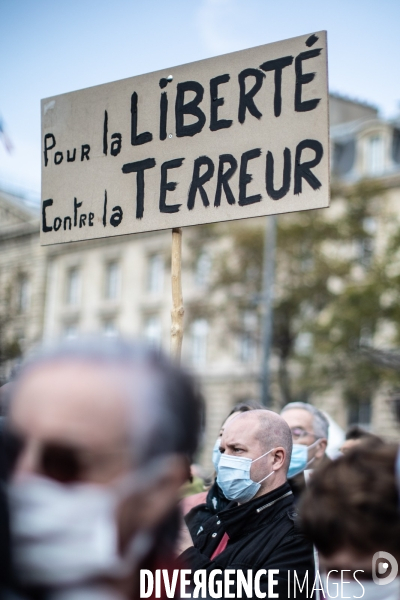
(299, 459)
(234, 477)
(216, 454)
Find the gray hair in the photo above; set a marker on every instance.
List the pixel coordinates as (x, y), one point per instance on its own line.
(165, 408)
(320, 422)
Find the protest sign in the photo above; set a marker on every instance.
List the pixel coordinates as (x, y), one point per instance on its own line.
(231, 137)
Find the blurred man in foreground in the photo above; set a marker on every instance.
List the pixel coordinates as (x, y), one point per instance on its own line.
(257, 529)
(351, 511)
(105, 430)
(309, 428)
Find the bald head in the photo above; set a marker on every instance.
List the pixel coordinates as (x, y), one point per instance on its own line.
(274, 431)
(269, 429)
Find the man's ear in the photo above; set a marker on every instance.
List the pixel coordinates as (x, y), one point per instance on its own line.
(278, 458)
(321, 448)
(147, 508)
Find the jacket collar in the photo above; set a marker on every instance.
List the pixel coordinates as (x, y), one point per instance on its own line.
(216, 500)
(238, 520)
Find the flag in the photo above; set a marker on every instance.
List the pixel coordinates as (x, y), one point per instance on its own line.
(6, 140)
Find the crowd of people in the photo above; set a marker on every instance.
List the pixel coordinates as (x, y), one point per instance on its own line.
(97, 443)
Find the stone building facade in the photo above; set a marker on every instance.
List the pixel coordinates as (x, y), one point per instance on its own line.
(22, 280)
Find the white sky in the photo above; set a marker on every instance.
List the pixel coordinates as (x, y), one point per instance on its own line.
(49, 47)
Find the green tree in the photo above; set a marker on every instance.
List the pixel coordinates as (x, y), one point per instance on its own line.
(329, 286)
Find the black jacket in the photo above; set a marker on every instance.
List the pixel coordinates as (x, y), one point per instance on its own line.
(215, 502)
(262, 535)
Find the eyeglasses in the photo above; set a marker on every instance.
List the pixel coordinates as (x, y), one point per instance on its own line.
(299, 432)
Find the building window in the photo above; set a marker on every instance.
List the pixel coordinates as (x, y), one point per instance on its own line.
(375, 155)
(396, 146)
(152, 331)
(112, 281)
(343, 157)
(203, 270)
(248, 342)
(23, 294)
(73, 286)
(109, 328)
(359, 413)
(199, 334)
(155, 281)
(71, 331)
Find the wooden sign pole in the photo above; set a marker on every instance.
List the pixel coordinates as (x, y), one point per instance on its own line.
(177, 298)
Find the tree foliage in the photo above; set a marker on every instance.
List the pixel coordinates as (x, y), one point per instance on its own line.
(334, 290)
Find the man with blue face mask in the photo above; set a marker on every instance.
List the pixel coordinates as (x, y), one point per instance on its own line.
(257, 530)
(309, 428)
(200, 507)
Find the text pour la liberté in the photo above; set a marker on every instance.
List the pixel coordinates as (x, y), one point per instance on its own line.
(211, 179)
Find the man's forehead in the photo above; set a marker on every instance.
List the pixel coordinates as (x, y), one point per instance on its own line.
(70, 399)
(298, 417)
(243, 428)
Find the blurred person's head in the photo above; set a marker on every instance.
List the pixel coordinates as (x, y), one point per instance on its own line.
(245, 406)
(105, 427)
(351, 508)
(240, 407)
(255, 455)
(309, 428)
(356, 435)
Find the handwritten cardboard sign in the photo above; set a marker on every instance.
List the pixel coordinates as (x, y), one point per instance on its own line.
(232, 137)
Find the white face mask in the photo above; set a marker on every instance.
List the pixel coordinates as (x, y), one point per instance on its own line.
(66, 534)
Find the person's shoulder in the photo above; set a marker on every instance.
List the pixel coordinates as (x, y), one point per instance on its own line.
(292, 518)
(284, 527)
(293, 535)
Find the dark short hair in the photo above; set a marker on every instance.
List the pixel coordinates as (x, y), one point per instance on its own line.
(353, 502)
(355, 432)
(245, 406)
